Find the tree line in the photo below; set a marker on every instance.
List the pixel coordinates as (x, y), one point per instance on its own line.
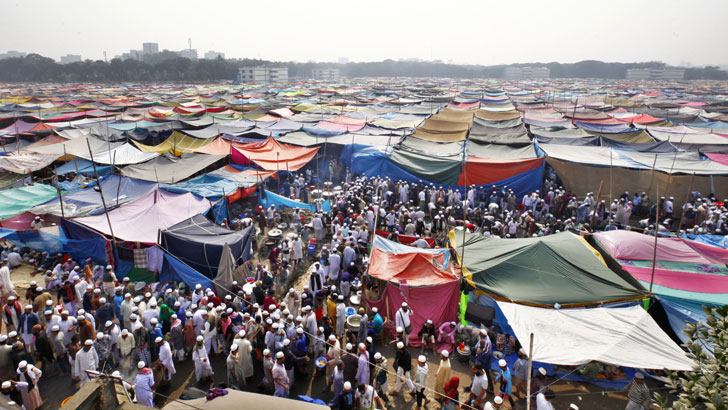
(169, 67)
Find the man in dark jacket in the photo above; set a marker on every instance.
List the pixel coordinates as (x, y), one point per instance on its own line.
(43, 347)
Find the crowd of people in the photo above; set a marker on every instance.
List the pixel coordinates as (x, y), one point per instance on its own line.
(82, 319)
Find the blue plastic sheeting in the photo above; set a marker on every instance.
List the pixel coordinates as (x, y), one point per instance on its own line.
(207, 186)
(712, 124)
(715, 240)
(604, 128)
(82, 166)
(282, 202)
(176, 270)
(680, 312)
(79, 250)
(322, 132)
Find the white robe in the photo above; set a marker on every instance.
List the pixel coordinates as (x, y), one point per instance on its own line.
(165, 356)
(5, 282)
(244, 358)
(202, 363)
(86, 361)
(144, 389)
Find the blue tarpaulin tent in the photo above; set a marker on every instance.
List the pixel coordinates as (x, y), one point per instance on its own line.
(282, 202)
(174, 269)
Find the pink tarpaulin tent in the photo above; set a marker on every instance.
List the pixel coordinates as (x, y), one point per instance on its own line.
(632, 245)
(141, 220)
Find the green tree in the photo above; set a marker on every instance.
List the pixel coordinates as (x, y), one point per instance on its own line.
(707, 387)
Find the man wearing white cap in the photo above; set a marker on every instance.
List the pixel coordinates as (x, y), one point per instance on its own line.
(27, 320)
(638, 393)
(29, 374)
(235, 379)
(520, 372)
(245, 360)
(11, 313)
(60, 350)
(362, 372)
(126, 306)
(403, 364)
(280, 377)
(202, 363)
(165, 357)
(86, 359)
(402, 319)
(340, 316)
(108, 279)
(126, 343)
(144, 385)
(421, 380)
(442, 375)
(497, 402)
(333, 354)
(293, 302)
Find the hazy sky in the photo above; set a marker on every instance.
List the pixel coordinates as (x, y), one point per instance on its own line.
(480, 31)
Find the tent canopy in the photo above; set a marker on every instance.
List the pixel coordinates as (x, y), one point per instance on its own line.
(623, 336)
(560, 268)
(399, 263)
(169, 169)
(271, 155)
(199, 243)
(156, 211)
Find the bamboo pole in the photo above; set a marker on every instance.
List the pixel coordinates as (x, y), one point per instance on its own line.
(530, 373)
(654, 251)
(58, 191)
(103, 200)
(687, 198)
(596, 205)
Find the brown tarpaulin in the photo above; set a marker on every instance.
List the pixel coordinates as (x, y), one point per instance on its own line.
(581, 178)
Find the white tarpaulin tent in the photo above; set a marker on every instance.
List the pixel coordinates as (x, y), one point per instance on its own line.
(623, 336)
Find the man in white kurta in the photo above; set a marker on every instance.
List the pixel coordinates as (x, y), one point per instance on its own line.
(144, 385)
(86, 359)
(202, 363)
(165, 356)
(6, 285)
(244, 358)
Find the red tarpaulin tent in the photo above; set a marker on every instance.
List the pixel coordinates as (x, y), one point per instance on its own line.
(271, 155)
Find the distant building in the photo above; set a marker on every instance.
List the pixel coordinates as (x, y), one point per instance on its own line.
(343, 60)
(325, 74)
(12, 54)
(190, 53)
(213, 55)
(70, 58)
(150, 48)
(262, 74)
(527, 73)
(656, 74)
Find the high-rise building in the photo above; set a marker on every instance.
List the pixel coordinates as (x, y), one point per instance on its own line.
(150, 48)
(213, 55)
(70, 58)
(262, 74)
(325, 74)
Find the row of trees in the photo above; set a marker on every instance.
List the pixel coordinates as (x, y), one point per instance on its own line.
(168, 67)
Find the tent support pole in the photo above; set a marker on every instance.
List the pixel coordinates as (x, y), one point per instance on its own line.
(58, 190)
(596, 205)
(103, 200)
(657, 229)
(687, 197)
(530, 373)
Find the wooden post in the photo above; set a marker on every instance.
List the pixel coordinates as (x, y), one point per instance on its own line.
(530, 373)
(654, 251)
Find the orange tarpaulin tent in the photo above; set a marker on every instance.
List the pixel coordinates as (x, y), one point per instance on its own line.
(480, 171)
(271, 155)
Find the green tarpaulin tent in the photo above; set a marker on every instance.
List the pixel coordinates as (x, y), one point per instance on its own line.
(561, 268)
(18, 200)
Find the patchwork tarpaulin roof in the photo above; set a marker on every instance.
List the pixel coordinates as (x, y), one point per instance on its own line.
(198, 242)
(561, 268)
(622, 336)
(395, 262)
(156, 211)
(123, 154)
(15, 201)
(177, 143)
(685, 269)
(271, 155)
(26, 163)
(169, 169)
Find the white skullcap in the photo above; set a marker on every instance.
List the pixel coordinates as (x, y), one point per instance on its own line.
(280, 355)
(99, 335)
(158, 340)
(55, 328)
(200, 338)
(266, 352)
(377, 356)
(422, 358)
(445, 354)
(88, 342)
(502, 363)
(347, 386)
(6, 384)
(140, 364)
(400, 345)
(234, 348)
(498, 400)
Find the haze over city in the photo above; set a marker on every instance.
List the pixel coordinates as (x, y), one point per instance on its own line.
(467, 32)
